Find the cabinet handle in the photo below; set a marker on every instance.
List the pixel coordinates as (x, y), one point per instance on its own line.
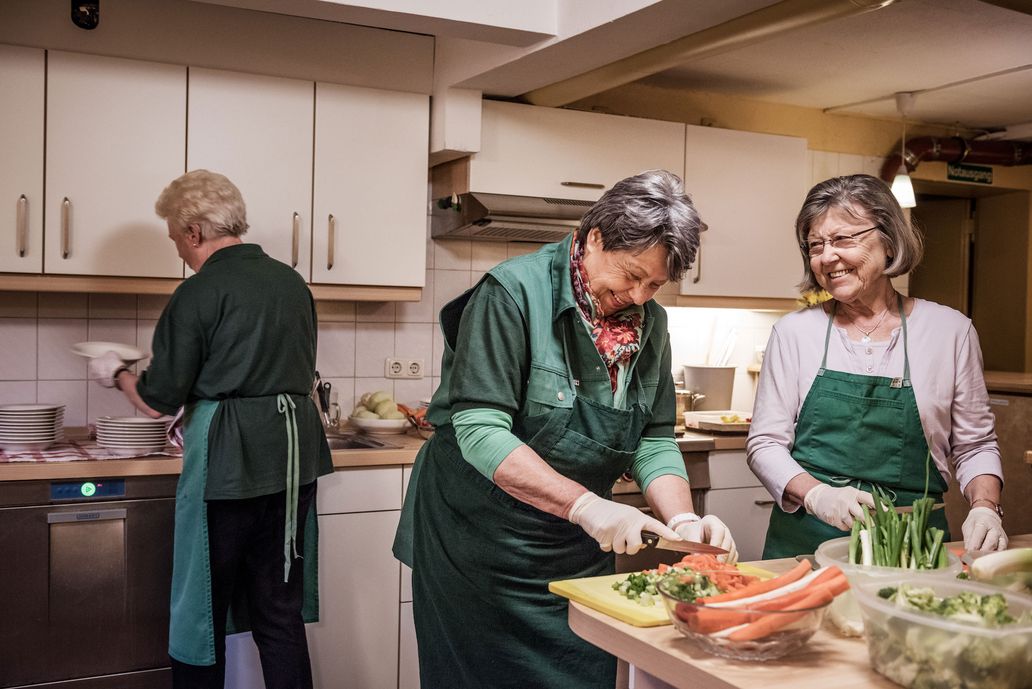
(698, 266)
(66, 212)
(22, 224)
(583, 185)
(332, 225)
(1028, 456)
(763, 503)
(294, 240)
(89, 516)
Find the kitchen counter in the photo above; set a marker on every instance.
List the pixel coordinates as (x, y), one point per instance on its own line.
(663, 653)
(1008, 381)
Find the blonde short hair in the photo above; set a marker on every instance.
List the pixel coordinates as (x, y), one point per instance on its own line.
(206, 199)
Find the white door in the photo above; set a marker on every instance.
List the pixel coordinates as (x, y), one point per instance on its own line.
(746, 511)
(116, 136)
(370, 203)
(21, 165)
(257, 131)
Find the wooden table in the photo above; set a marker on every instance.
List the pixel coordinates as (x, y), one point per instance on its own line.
(663, 658)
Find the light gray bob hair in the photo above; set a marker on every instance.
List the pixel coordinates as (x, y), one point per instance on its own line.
(206, 199)
(639, 212)
(869, 199)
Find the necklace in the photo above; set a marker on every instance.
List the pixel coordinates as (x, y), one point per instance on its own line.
(866, 339)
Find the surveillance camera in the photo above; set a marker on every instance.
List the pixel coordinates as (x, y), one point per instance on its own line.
(86, 13)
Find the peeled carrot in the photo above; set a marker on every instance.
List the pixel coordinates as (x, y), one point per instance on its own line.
(834, 584)
(762, 586)
(768, 624)
(707, 621)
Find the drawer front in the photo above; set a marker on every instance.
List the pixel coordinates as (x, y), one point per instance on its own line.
(728, 469)
(360, 490)
(746, 511)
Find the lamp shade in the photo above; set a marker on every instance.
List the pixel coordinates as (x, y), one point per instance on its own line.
(903, 189)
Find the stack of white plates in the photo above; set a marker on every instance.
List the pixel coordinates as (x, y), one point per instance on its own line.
(131, 432)
(26, 427)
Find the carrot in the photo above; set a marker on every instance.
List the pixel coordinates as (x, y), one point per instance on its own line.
(762, 586)
(834, 584)
(662, 568)
(768, 624)
(707, 621)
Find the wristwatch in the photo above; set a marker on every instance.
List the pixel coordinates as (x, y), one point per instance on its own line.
(994, 506)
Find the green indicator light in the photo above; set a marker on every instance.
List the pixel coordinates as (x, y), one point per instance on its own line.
(88, 489)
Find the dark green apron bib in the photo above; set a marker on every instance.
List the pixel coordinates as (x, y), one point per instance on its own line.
(860, 431)
(191, 637)
(483, 559)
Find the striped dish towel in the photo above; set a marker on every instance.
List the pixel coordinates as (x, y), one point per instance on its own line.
(79, 450)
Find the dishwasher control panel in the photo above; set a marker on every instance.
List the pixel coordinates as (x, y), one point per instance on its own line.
(102, 489)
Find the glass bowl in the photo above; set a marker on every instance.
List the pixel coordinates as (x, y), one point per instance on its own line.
(706, 626)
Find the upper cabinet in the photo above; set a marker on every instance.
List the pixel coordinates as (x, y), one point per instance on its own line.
(21, 165)
(534, 151)
(369, 210)
(115, 137)
(257, 131)
(748, 188)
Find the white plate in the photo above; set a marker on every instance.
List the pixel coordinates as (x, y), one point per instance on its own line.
(381, 426)
(22, 408)
(25, 447)
(132, 445)
(27, 425)
(126, 353)
(132, 420)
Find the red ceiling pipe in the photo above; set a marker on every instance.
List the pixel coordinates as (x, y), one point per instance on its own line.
(958, 150)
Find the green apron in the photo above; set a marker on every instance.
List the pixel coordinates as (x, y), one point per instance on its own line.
(482, 559)
(191, 637)
(861, 431)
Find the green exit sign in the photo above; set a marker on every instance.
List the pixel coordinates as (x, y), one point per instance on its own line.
(975, 174)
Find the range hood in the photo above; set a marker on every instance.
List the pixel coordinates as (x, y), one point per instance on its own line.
(504, 217)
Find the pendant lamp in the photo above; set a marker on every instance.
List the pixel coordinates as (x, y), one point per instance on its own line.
(902, 188)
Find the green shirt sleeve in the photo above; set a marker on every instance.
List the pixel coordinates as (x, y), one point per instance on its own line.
(657, 457)
(664, 406)
(485, 438)
(178, 353)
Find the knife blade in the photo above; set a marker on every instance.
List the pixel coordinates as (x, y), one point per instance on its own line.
(648, 538)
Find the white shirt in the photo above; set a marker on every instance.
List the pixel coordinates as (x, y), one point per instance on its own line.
(945, 371)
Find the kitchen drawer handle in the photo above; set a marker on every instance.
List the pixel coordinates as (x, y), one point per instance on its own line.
(22, 223)
(698, 266)
(66, 212)
(583, 185)
(294, 240)
(87, 516)
(332, 225)
(763, 503)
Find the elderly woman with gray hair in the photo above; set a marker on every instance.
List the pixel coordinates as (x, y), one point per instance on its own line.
(555, 381)
(871, 388)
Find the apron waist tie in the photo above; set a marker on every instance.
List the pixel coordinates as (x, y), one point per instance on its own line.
(859, 485)
(286, 406)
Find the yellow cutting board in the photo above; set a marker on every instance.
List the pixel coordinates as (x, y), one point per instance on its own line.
(597, 593)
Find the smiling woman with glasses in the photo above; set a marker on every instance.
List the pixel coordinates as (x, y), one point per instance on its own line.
(871, 388)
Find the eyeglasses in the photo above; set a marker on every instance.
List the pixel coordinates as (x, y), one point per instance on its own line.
(842, 241)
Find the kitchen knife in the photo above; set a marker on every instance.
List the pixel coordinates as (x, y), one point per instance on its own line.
(937, 506)
(648, 538)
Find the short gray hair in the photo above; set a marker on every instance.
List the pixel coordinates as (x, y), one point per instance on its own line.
(207, 199)
(865, 198)
(639, 212)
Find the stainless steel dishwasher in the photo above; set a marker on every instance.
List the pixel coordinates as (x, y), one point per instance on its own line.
(85, 574)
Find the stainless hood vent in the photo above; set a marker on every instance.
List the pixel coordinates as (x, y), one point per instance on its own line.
(504, 217)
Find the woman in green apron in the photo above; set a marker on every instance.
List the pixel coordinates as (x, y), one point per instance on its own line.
(556, 380)
(869, 388)
(235, 347)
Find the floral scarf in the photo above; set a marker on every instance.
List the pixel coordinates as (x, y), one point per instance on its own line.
(617, 336)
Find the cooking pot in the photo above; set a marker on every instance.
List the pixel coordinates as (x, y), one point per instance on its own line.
(715, 382)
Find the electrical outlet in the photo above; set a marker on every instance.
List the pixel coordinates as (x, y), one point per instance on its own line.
(403, 368)
(415, 368)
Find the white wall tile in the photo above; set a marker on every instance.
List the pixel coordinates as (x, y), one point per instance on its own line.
(374, 311)
(151, 305)
(71, 393)
(63, 305)
(522, 248)
(366, 384)
(421, 311)
(113, 330)
(410, 392)
(18, 305)
(438, 352)
(343, 393)
(414, 341)
(336, 352)
(101, 401)
(18, 392)
(56, 360)
(453, 254)
(145, 341)
(449, 284)
(112, 306)
(18, 345)
(374, 342)
(486, 255)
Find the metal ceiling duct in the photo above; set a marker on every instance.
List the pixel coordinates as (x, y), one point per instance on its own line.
(957, 150)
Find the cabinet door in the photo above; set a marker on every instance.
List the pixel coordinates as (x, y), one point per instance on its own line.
(746, 511)
(21, 165)
(355, 643)
(370, 203)
(257, 131)
(116, 136)
(748, 188)
(534, 151)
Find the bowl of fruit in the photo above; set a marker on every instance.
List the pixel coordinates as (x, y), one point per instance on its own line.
(377, 412)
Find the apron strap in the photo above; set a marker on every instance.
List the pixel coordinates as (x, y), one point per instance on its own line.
(286, 406)
(827, 338)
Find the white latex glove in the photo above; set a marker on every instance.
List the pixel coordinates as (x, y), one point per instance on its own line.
(983, 530)
(105, 367)
(616, 527)
(711, 530)
(837, 506)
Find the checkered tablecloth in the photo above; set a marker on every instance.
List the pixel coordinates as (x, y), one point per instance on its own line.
(81, 449)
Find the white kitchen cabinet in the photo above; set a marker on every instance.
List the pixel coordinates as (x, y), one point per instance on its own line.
(370, 196)
(534, 151)
(257, 130)
(748, 188)
(741, 502)
(115, 137)
(22, 82)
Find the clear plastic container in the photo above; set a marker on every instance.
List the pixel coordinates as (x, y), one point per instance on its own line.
(844, 614)
(918, 649)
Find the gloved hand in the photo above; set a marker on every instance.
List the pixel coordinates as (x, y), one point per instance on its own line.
(105, 367)
(616, 527)
(837, 506)
(983, 530)
(708, 529)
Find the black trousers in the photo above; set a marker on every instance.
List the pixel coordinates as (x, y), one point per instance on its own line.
(245, 545)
